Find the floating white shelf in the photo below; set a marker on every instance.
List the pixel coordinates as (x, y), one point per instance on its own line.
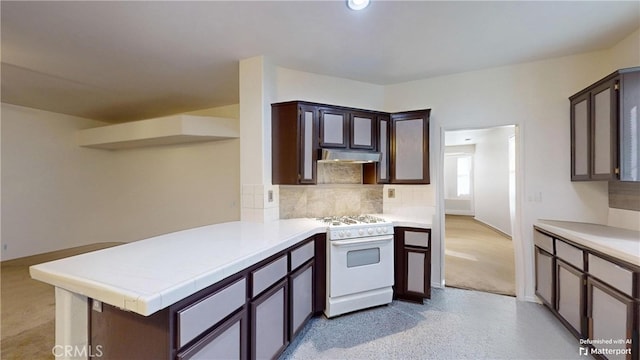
(176, 129)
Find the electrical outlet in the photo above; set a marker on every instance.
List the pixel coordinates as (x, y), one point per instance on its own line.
(96, 305)
(391, 193)
(270, 196)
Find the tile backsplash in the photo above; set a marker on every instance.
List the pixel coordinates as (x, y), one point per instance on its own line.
(339, 173)
(329, 200)
(339, 192)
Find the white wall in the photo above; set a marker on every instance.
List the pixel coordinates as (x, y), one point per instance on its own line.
(491, 178)
(626, 53)
(535, 97)
(57, 195)
(298, 85)
(257, 93)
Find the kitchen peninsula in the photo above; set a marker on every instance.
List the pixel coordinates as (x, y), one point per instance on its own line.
(166, 283)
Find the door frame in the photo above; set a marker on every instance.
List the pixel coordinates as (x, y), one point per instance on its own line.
(516, 224)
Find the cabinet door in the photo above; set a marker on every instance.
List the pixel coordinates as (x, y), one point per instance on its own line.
(308, 147)
(410, 147)
(610, 316)
(383, 146)
(570, 296)
(544, 277)
(412, 264)
(334, 128)
(301, 285)
(226, 341)
(603, 110)
(580, 135)
(269, 327)
(379, 173)
(418, 268)
(363, 131)
(630, 127)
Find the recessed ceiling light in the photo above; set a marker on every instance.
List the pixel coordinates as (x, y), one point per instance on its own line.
(357, 4)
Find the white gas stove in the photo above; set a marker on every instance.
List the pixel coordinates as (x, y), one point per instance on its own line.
(357, 226)
(359, 263)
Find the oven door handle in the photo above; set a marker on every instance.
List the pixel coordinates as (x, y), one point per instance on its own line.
(369, 240)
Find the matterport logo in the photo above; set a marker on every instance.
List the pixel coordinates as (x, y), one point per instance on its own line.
(77, 351)
(603, 350)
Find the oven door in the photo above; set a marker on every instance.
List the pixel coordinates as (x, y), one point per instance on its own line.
(357, 265)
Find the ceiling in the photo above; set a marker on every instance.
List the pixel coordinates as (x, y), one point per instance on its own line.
(121, 61)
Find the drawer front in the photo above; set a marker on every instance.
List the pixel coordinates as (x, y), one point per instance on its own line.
(570, 254)
(268, 275)
(615, 276)
(195, 319)
(415, 238)
(300, 255)
(543, 241)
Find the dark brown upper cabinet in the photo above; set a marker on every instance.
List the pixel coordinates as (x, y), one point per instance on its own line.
(294, 145)
(347, 129)
(629, 127)
(410, 147)
(300, 129)
(604, 131)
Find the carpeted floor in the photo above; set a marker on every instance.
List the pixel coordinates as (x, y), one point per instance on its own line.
(27, 306)
(478, 257)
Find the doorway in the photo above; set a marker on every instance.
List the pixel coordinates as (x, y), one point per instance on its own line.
(479, 207)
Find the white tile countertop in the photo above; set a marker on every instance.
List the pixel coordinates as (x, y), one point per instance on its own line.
(620, 243)
(423, 222)
(148, 275)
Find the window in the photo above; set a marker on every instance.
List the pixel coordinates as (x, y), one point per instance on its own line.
(463, 176)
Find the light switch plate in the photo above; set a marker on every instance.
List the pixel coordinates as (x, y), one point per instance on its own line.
(270, 196)
(96, 305)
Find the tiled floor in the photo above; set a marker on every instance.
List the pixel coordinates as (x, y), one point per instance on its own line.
(453, 324)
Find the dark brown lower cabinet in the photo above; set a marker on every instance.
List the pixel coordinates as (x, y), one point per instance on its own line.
(413, 264)
(118, 334)
(610, 316)
(226, 341)
(269, 326)
(596, 296)
(570, 296)
(254, 313)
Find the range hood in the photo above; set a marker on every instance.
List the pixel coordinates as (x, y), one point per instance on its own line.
(350, 156)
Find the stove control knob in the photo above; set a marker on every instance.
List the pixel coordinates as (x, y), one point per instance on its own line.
(348, 233)
(341, 234)
(379, 230)
(384, 230)
(361, 232)
(370, 231)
